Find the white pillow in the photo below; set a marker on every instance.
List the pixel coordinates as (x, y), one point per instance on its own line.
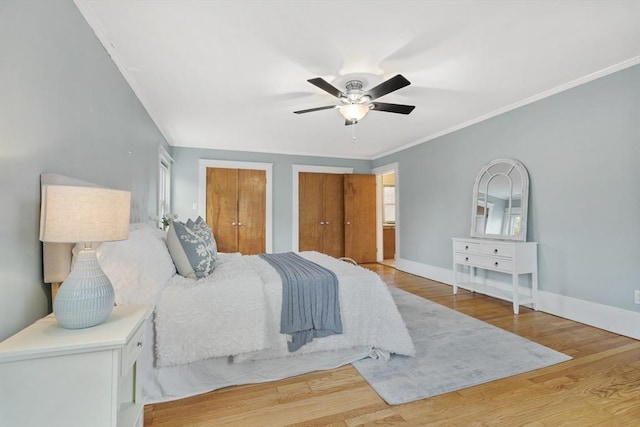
(138, 267)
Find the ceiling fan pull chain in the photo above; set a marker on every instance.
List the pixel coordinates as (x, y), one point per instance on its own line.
(353, 132)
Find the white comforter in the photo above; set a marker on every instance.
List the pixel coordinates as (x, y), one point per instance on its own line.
(236, 312)
(221, 315)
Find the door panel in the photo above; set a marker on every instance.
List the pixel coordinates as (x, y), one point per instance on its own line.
(360, 217)
(333, 214)
(222, 207)
(252, 198)
(310, 211)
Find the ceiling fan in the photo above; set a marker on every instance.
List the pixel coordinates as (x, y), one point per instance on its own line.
(355, 102)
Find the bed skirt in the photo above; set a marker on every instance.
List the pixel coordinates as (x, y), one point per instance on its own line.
(178, 382)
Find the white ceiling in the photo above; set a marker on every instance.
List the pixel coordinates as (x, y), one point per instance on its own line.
(229, 74)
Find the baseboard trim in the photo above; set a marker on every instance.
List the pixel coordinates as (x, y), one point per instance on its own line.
(613, 319)
(438, 274)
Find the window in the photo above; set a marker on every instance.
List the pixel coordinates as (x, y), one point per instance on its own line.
(389, 204)
(164, 184)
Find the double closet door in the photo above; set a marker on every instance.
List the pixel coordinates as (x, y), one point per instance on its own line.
(236, 209)
(321, 213)
(336, 215)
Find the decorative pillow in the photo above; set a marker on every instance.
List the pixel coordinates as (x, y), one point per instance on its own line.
(202, 229)
(192, 248)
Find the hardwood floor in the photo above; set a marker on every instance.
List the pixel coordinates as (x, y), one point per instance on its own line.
(600, 386)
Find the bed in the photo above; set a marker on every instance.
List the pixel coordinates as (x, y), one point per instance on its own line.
(223, 329)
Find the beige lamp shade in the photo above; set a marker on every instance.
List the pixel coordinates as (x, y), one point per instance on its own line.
(72, 214)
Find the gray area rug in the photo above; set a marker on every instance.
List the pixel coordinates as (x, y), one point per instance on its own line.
(453, 351)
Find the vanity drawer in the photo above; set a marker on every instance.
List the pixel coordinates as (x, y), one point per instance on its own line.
(468, 259)
(132, 349)
(488, 262)
(495, 263)
(467, 247)
(497, 249)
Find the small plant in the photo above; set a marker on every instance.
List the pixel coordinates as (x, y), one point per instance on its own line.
(166, 220)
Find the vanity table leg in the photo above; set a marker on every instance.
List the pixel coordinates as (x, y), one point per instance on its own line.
(455, 277)
(516, 302)
(472, 275)
(534, 288)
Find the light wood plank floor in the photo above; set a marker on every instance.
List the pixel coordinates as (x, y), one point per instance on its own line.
(599, 387)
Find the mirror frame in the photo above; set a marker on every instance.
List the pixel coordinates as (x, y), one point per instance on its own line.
(519, 167)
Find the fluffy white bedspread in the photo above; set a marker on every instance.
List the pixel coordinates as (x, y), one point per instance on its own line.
(220, 315)
(369, 315)
(236, 312)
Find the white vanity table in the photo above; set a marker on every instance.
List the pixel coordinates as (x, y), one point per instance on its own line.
(498, 234)
(514, 258)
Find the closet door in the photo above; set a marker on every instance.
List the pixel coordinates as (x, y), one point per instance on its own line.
(321, 213)
(222, 207)
(252, 200)
(236, 203)
(310, 215)
(333, 214)
(360, 217)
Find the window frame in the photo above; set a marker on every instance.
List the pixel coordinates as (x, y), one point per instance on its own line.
(165, 162)
(384, 205)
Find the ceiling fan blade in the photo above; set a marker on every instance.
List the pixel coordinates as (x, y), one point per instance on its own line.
(326, 86)
(310, 110)
(393, 84)
(392, 108)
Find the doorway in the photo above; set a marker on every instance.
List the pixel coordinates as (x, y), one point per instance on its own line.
(387, 214)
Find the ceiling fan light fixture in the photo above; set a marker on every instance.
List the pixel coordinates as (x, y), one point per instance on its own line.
(354, 112)
(355, 103)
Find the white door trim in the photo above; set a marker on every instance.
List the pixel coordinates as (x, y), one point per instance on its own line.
(379, 171)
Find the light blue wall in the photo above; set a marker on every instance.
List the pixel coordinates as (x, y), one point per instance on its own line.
(186, 183)
(582, 150)
(64, 108)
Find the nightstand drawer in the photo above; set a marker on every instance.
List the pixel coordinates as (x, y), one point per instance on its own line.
(132, 349)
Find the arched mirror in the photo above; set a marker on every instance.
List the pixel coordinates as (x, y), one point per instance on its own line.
(500, 195)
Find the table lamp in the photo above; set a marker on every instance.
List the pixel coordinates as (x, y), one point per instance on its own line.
(85, 215)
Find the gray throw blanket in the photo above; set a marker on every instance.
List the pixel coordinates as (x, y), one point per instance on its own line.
(310, 300)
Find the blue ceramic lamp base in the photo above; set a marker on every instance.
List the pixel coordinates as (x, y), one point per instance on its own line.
(86, 297)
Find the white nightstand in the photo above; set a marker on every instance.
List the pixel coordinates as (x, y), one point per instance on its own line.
(50, 376)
